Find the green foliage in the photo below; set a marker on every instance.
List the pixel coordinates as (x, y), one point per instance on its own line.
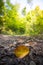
(1, 15)
(1, 7)
(12, 23)
(36, 22)
(24, 11)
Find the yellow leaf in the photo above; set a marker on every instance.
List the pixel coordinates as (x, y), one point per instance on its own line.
(21, 51)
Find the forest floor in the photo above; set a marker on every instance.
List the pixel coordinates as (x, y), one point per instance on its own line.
(9, 43)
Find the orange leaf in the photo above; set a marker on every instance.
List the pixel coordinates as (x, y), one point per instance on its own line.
(21, 51)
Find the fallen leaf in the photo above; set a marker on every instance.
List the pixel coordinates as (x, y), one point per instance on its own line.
(21, 51)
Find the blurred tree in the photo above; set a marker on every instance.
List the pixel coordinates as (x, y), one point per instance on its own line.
(24, 11)
(36, 22)
(13, 21)
(1, 14)
(1, 7)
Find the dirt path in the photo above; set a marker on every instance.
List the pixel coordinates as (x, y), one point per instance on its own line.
(10, 42)
(36, 43)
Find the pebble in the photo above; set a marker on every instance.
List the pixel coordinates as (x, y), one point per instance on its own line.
(32, 63)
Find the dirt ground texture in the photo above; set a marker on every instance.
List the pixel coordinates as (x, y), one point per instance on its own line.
(35, 42)
(8, 43)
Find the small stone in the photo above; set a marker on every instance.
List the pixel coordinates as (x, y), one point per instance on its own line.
(32, 63)
(1, 46)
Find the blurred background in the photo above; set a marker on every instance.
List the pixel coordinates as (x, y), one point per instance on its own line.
(21, 17)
